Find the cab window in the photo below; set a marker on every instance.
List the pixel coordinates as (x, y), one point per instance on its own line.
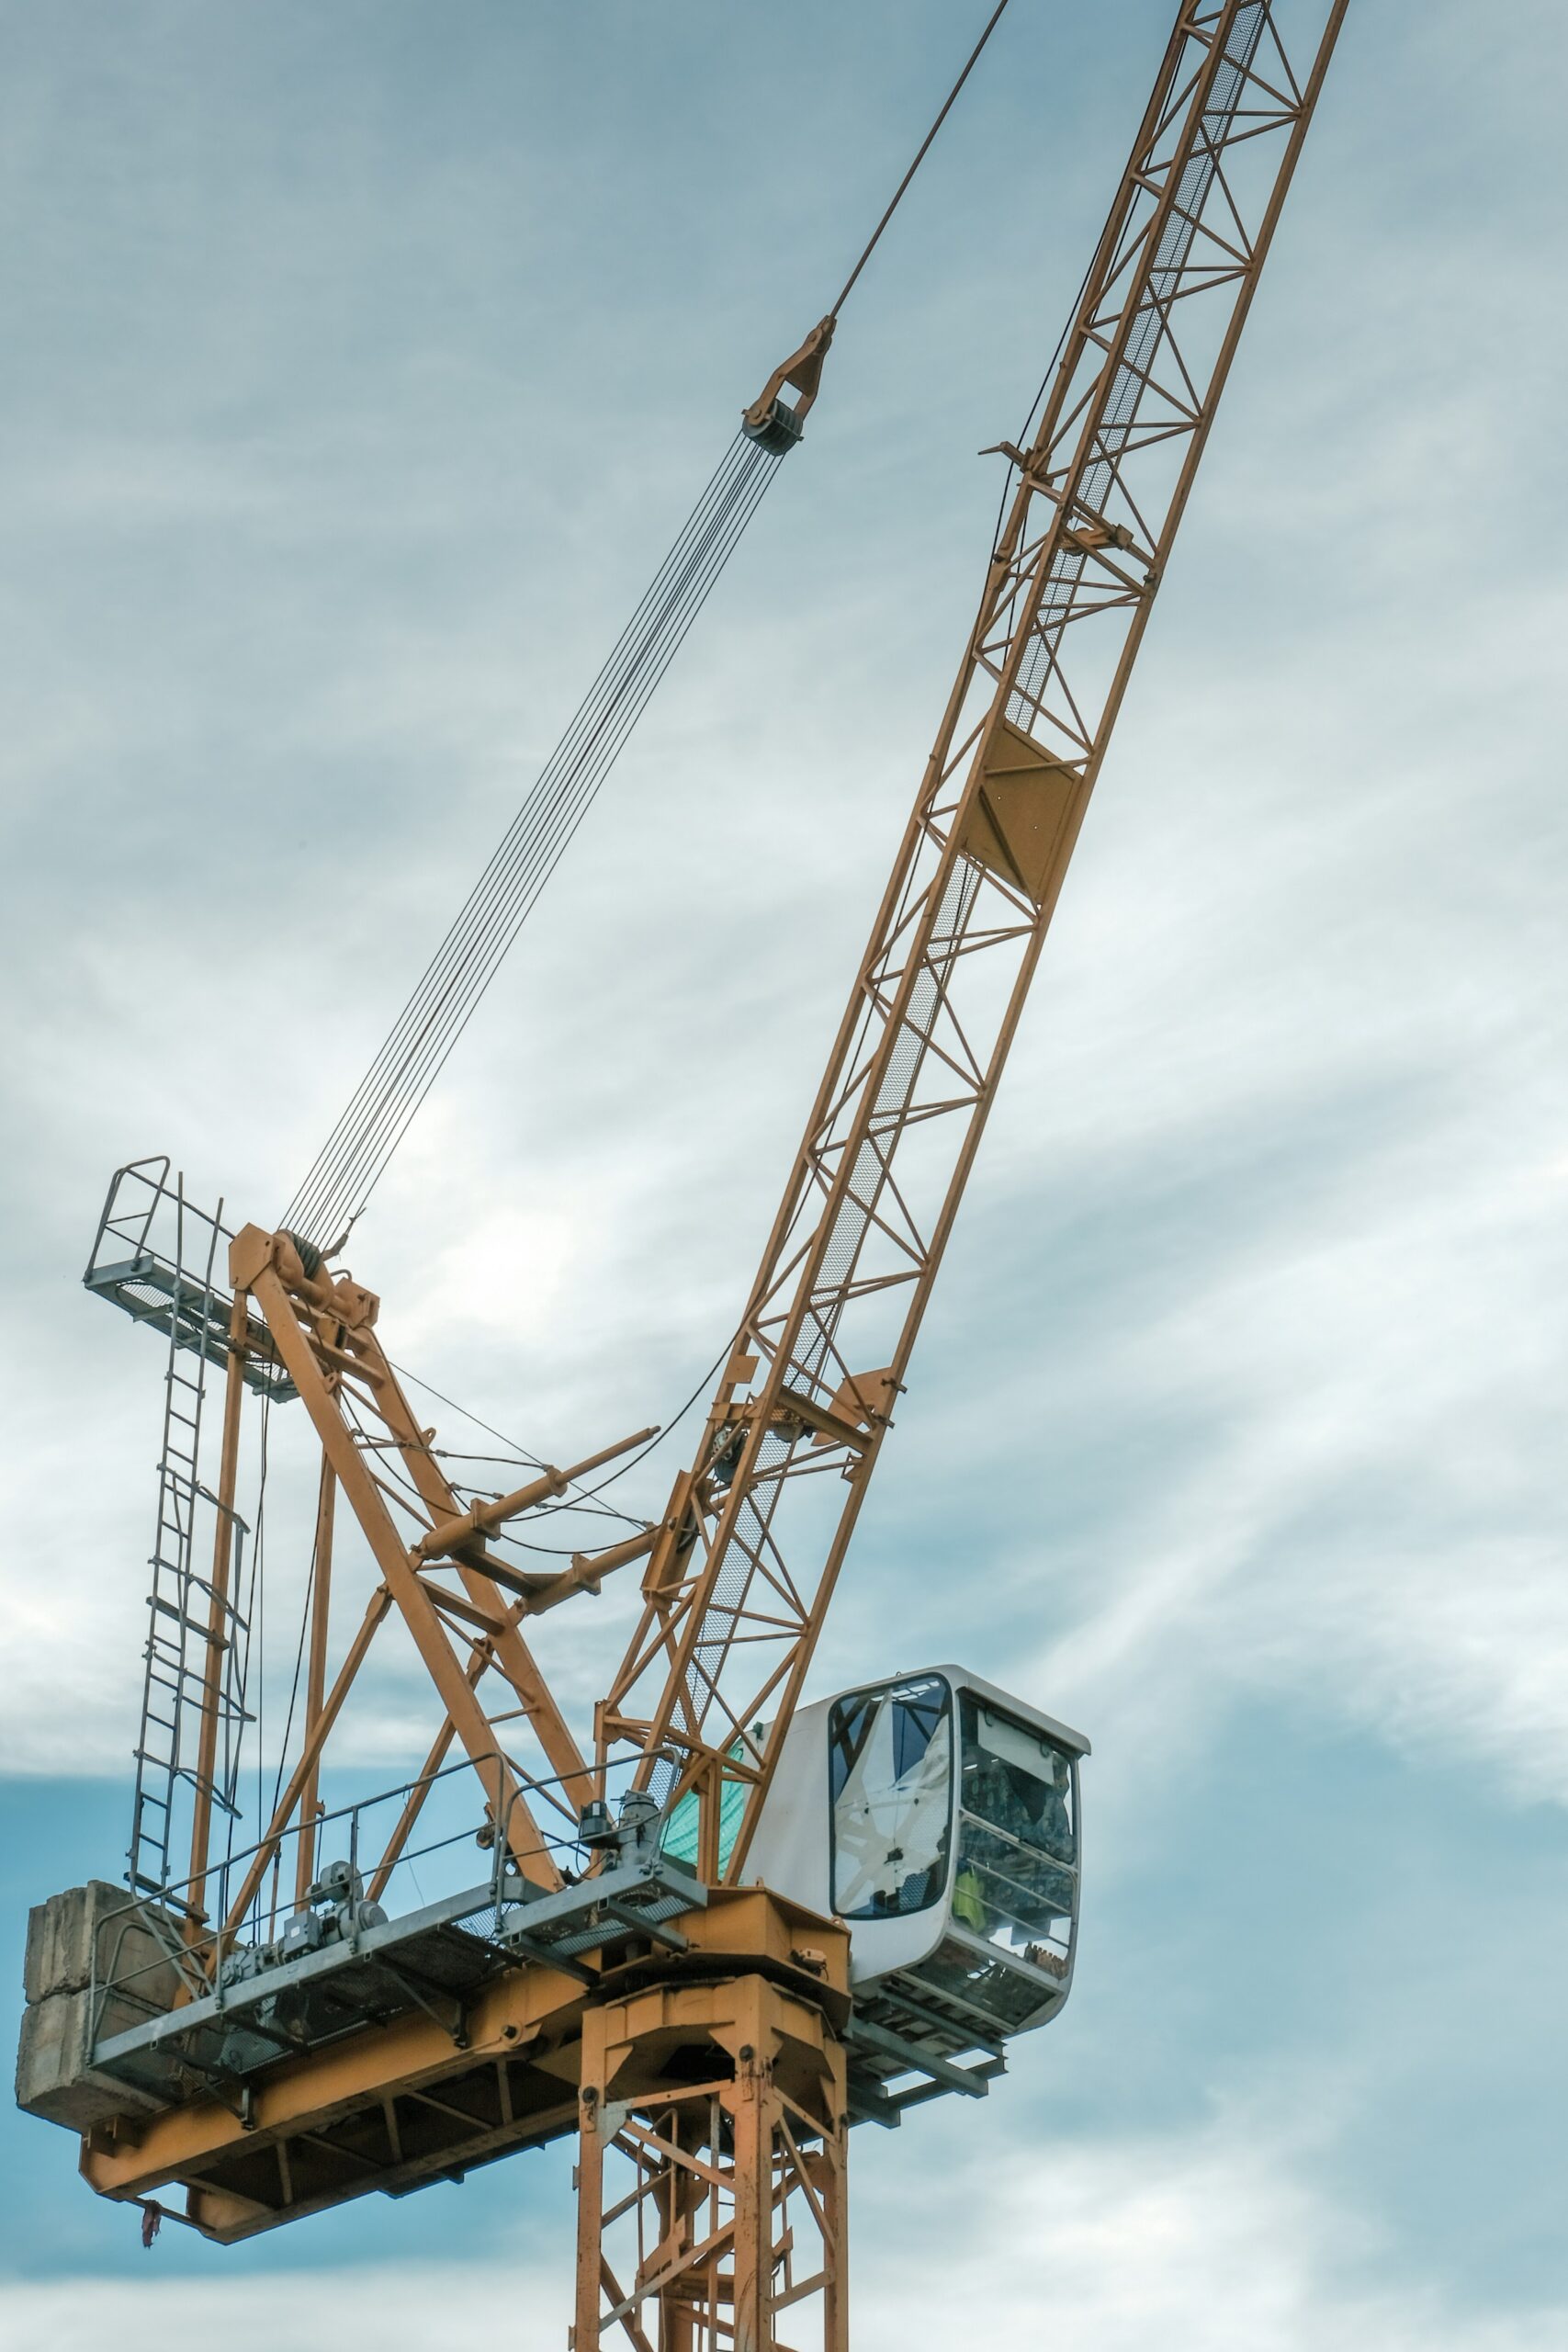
(1015, 1883)
(890, 1781)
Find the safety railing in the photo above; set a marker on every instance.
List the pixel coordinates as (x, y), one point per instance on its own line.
(149, 1257)
(152, 1958)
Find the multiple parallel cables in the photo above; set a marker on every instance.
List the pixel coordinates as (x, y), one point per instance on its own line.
(355, 1156)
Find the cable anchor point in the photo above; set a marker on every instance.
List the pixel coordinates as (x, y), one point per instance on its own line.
(771, 421)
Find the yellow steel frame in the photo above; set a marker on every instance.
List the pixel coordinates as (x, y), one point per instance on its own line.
(735, 2163)
(737, 1589)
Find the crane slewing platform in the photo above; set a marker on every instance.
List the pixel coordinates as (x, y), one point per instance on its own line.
(709, 1932)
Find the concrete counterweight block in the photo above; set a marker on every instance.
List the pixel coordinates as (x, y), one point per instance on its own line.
(98, 1963)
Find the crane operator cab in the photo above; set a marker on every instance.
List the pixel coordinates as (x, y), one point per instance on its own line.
(939, 1818)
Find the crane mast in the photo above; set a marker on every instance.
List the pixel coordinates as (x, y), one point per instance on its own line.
(694, 2028)
(735, 1594)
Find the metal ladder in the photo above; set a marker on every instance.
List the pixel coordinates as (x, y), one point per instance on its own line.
(180, 1604)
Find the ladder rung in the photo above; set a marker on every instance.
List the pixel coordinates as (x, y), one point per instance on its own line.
(182, 1614)
(167, 1608)
(169, 1656)
(172, 1659)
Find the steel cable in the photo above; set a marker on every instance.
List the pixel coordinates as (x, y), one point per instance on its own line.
(503, 874)
(346, 1168)
(350, 1163)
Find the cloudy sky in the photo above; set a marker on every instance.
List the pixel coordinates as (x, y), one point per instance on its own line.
(360, 364)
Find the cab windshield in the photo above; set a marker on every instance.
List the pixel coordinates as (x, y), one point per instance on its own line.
(890, 1780)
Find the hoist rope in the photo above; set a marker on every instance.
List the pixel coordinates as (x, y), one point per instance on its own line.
(355, 1156)
(920, 154)
(346, 1168)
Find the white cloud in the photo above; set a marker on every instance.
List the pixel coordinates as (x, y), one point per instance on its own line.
(1211, 2237)
(1319, 892)
(1371, 1518)
(1246, 1377)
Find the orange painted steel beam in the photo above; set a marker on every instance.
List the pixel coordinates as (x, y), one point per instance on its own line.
(737, 1590)
(526, 2021)
(734, 2175)
(736, 2207)
(332, 1706)
(218, 1636)
(504, 1800)
(514, 1659)
(315, 1680)
(200, 2140)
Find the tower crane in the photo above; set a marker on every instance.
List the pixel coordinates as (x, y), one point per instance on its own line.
(709, 1935)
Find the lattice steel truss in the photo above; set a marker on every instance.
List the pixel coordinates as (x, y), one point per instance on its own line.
(741, 1568)
(709, 2208)
(710, 2059)
(735, 1590)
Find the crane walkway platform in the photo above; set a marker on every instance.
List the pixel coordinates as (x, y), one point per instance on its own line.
(153, 1257)
(436, 1958)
